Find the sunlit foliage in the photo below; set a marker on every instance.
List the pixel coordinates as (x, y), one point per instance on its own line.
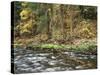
(57, 22)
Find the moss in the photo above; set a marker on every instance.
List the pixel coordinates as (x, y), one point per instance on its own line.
(50, 46)
(55, 46)
(85, 46)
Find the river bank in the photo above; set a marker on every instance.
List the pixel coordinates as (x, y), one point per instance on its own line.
(83, 46)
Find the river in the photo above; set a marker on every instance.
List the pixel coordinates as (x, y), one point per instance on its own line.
(30, 61)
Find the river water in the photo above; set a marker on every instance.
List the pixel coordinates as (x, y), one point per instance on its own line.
(30, 61)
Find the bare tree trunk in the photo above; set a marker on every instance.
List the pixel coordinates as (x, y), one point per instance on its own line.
(49, 22)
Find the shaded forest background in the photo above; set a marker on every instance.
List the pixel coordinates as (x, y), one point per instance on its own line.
(54, 23)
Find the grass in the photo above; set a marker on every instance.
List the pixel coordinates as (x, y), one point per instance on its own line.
(87, 46)
(81, 47)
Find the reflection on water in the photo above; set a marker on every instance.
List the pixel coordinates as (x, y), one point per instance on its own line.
(30, 61)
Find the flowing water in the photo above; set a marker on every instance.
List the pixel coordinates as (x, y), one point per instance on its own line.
(30, 61)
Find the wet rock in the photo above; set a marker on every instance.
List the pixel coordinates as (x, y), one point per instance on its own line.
(54, 62)
(53, 57)
(78, 67)
(49, 70)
